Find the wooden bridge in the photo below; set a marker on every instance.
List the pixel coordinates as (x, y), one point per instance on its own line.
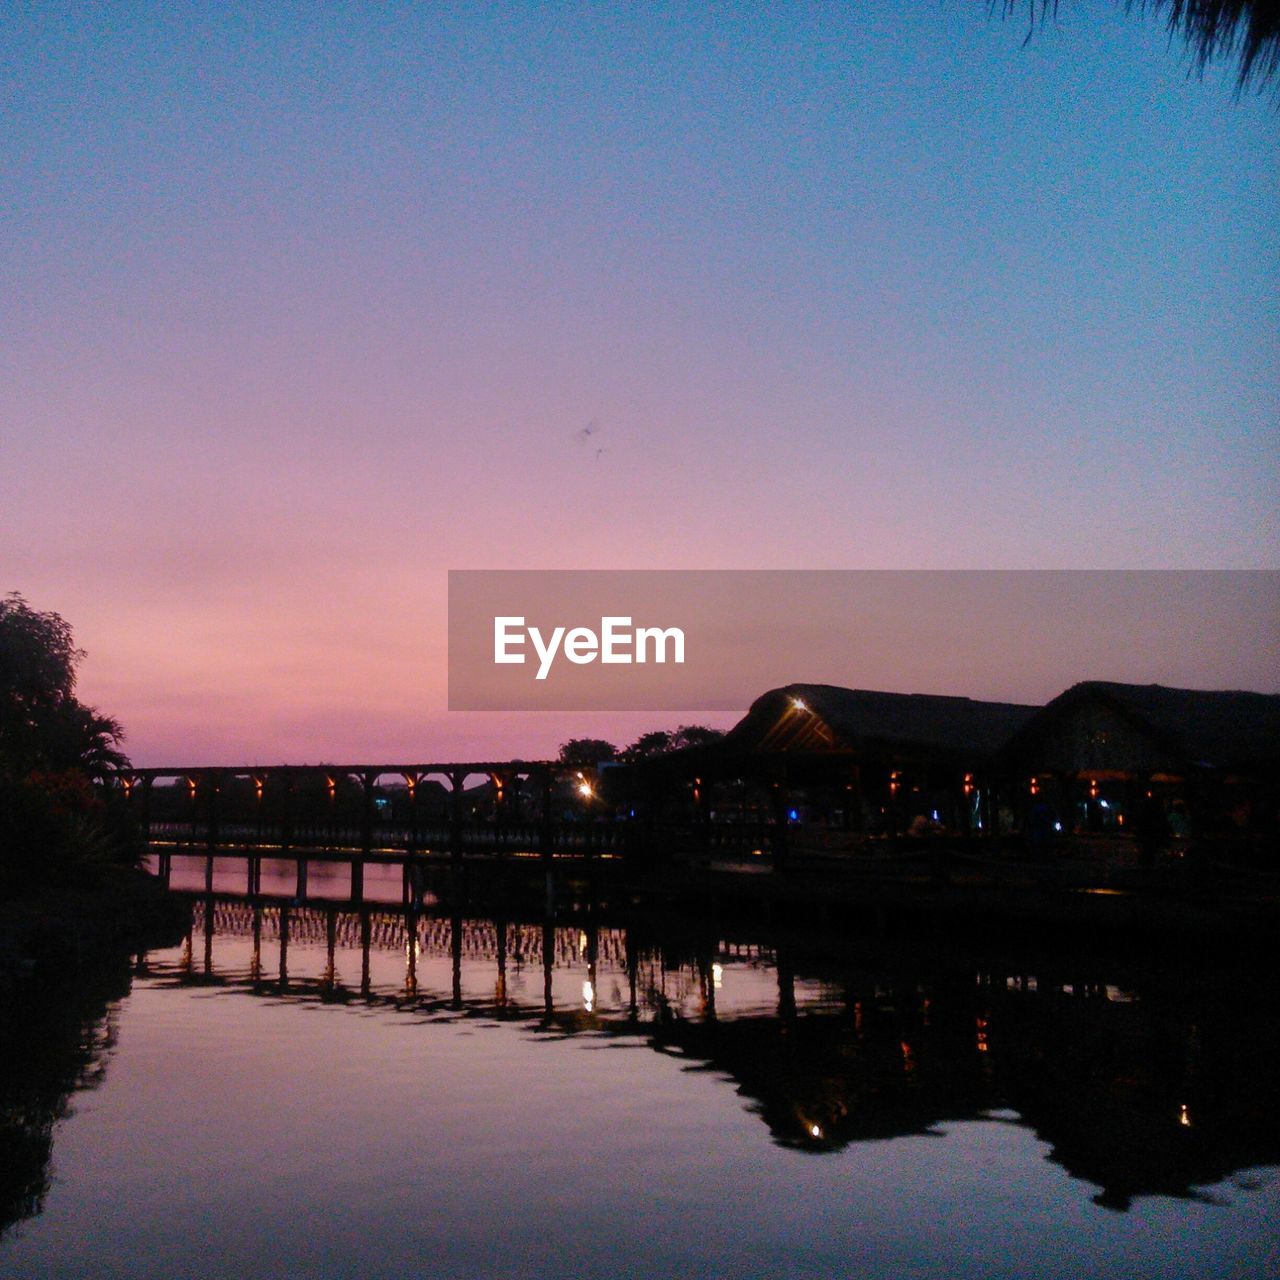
(407, 814)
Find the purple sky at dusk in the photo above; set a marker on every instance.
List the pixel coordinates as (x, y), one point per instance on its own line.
(305, 306)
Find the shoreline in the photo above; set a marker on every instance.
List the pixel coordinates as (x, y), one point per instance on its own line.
(54, 928)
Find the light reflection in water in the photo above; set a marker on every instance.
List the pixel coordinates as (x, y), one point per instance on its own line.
(459, 1060)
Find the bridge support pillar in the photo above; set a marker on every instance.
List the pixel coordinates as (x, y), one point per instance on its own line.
(366, 814)
(456, 782)
(146, 809)
(301, 890)
(546, 841)
(357, 880)
(213, 787)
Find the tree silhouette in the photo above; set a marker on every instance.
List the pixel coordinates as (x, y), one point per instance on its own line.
(582, 752)
(53, 747)
(43, 726)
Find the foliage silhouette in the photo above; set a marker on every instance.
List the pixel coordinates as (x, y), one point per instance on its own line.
(1247, 31)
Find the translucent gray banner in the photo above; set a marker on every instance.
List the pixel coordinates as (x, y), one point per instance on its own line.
(636, 640)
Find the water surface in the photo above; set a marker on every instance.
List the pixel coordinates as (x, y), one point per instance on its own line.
(470, 1095)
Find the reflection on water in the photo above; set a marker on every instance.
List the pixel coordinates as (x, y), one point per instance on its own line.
(389, 1083)
(52, 1043)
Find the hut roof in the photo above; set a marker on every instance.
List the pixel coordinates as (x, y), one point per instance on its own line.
(1225, 729)
(825, 718)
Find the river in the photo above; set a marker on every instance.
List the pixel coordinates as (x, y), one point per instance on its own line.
(479, 1092)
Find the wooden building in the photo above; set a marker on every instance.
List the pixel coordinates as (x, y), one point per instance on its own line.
(1162, 764)
(854, 759)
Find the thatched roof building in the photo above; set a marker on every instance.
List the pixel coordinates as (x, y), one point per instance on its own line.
(875, 761)
(822, 719)
(1098, 727)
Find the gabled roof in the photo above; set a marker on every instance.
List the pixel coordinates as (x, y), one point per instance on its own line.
(1221, 729)
(824, 718)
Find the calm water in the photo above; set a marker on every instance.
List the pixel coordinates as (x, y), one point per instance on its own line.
(602, 1097)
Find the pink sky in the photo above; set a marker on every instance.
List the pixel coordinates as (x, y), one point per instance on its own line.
(305, 309)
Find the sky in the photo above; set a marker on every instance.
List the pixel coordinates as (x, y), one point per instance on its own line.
(304, 306)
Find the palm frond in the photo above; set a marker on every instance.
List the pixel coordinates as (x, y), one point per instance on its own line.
(1247, 31)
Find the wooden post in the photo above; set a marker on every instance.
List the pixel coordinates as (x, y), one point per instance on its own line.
(455, 953)
(284, 947)
(366, 820)
(286, 815)
(366, 931)
(633, 966)
(548, 963)
(411, 952)
(456, 781)
(214, 784)
(300, 891)
(786, 987)
(499, 781)
(415, 781)
(208, 935)
(546, 842)
(255, 965)
(500, 994)
(146, 810)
